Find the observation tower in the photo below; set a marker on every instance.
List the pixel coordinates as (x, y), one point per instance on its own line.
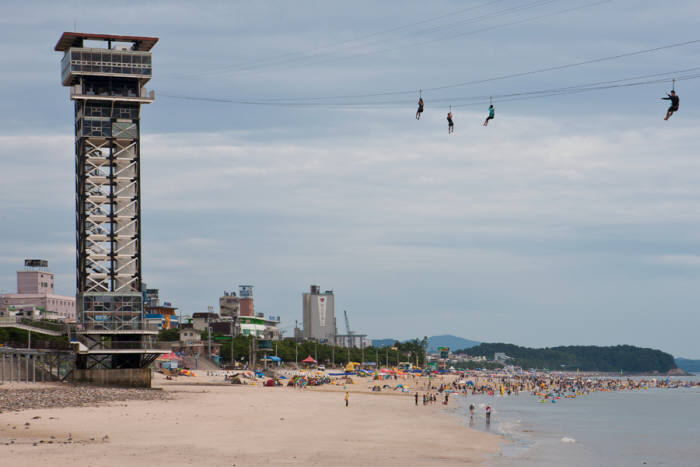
(106, 75)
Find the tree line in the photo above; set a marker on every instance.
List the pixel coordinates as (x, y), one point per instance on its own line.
(626, 358)
(289, 350)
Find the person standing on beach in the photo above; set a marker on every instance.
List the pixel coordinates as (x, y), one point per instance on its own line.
(416, 397)
(347, 398)
(488, 414)
(471, 410)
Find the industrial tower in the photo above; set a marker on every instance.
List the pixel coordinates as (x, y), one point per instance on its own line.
(106, 75)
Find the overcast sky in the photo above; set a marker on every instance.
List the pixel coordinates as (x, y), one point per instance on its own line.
(572, 219)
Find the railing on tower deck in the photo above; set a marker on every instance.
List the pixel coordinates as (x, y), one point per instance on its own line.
(136, 325)
(116, 343)
(76, 92)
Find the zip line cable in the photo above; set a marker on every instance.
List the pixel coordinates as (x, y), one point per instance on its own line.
(328, 57)
(468, 33)
(476, 100)
(301, 101)
(462, 34)
(233, 68)
(509, 76)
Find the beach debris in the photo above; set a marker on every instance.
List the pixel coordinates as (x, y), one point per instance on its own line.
(566, 439)
(70, 396)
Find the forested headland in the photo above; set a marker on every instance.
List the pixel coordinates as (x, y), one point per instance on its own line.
(625, 358)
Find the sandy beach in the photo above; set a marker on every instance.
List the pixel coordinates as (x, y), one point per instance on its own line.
(199, 421)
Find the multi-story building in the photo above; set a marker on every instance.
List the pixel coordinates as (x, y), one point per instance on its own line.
(319, 315)
(163, 316)
(202, 321)
(247, 307)
(229, 304)
(259, 326)
(35, 291)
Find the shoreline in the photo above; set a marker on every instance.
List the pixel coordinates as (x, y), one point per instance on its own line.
(244, 425)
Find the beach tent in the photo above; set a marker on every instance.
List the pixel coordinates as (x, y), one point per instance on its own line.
(309, 360)
(168, 361)
(169, 356)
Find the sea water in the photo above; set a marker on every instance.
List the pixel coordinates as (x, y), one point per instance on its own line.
(622, 428)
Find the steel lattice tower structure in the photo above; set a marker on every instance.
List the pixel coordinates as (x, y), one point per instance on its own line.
(107, 85)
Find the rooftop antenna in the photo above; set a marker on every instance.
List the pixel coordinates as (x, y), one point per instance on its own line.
(75, 25)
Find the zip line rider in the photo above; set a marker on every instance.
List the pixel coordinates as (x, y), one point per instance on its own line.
(450, 123)
(420, 108)
(492, 115)
(674, 103)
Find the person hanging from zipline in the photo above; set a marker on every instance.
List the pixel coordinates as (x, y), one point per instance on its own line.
(492, 115)
(674, 103)
(450, 123)
(420, 108)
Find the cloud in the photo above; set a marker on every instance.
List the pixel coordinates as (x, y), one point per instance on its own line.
(571, 219)
(690, 261)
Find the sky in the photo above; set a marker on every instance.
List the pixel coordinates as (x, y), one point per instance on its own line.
(570, 219)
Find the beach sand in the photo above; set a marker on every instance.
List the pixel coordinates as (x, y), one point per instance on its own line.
(226, 425)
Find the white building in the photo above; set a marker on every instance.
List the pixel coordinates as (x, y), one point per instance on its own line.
(319, 315)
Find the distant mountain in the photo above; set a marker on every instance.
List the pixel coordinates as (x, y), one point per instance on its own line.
(453, 342)
(448, 340)
(690, 366)
(383, 342)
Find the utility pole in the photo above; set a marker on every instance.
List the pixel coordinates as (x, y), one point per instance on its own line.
(255, 352)
(333, 357)
(209, 335)
(296, 354)
(232, 359)
(387, 357)
(362, 349)
(316, 351)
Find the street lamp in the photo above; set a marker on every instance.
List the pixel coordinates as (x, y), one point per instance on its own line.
(362, 349)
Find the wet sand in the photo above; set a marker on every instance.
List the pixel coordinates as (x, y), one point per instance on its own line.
(203, 423)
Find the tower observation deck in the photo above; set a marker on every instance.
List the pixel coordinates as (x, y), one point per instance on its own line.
(107, 76)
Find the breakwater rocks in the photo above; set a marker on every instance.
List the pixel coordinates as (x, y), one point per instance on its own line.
(70, 396)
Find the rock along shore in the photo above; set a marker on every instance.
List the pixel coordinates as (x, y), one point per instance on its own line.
(24, 398)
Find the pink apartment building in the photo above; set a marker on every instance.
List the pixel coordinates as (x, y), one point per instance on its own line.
(35, 289)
